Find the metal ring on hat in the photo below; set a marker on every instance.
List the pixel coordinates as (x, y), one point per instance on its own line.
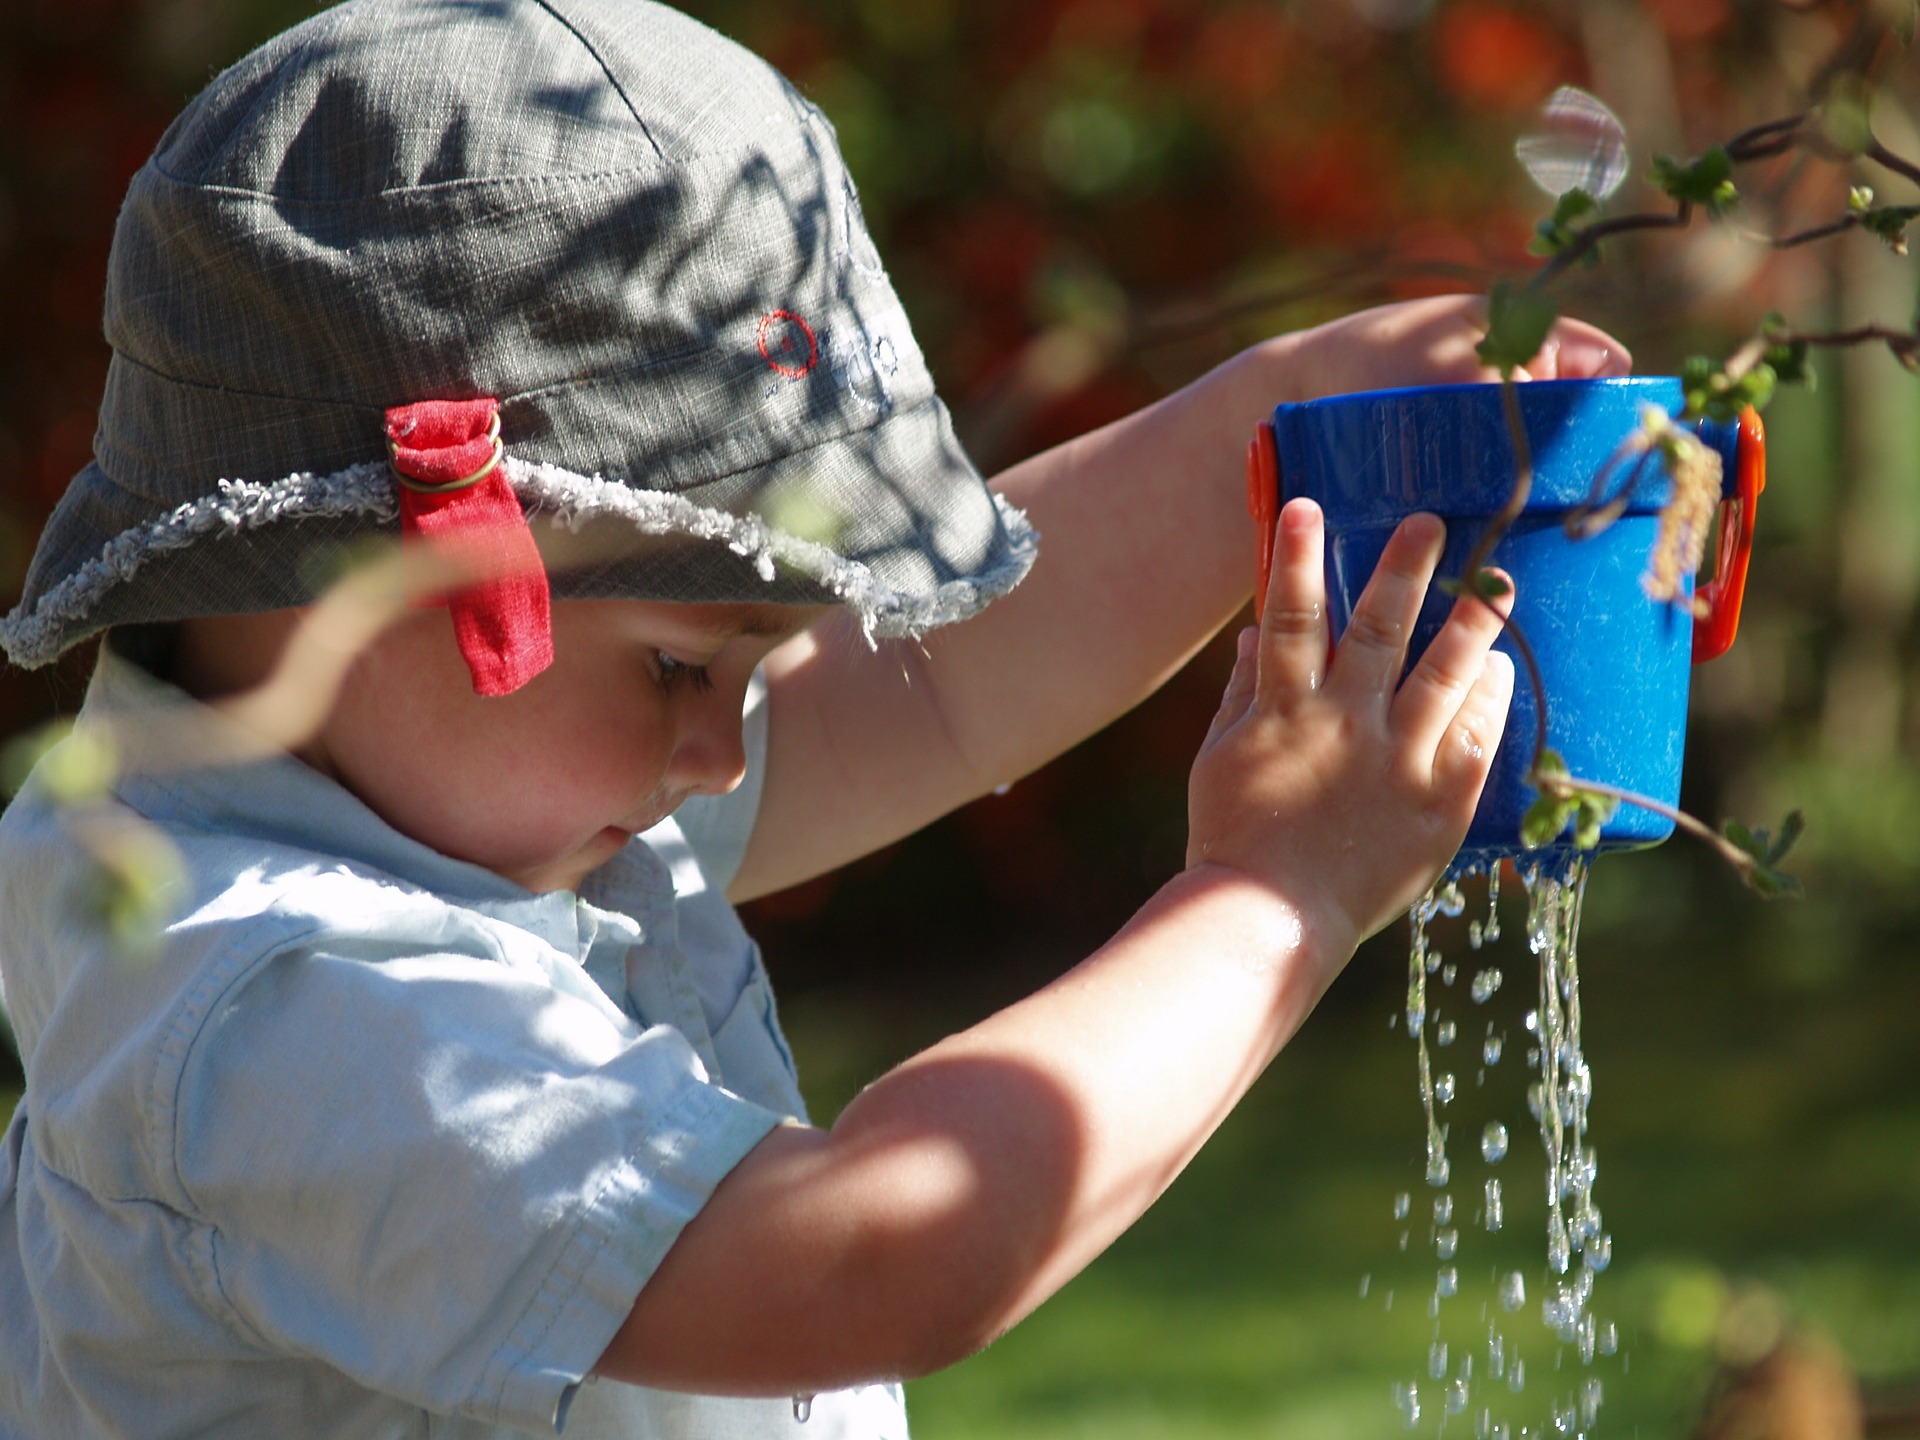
(423, 488)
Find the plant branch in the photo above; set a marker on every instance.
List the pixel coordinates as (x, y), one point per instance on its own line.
(1586, 239)
(1565, 787)
(1884, 157)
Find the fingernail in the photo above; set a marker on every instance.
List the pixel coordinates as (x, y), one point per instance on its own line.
(1246, 643)
(1499, 665)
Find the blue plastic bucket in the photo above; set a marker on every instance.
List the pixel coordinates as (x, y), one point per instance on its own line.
(1614, 662)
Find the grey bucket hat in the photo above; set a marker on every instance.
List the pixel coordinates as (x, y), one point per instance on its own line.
(636, 236)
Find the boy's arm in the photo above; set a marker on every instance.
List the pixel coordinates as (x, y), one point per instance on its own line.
(968, 1184)
(1145, 551)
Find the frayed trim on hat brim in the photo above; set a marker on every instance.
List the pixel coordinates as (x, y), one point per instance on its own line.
(37, 637)
(884, 610)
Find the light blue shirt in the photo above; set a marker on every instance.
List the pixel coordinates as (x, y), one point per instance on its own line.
(376, 1143)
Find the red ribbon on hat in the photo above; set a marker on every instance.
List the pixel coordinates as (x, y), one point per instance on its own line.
(446, 454)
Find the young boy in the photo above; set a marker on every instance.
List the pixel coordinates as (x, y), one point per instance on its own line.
(451, 1100)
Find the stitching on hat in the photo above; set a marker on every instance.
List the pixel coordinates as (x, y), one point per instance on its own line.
(606, 70)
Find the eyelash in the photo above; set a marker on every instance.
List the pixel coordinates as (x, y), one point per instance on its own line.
(675, 673)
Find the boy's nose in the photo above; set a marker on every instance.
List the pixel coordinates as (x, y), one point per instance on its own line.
(711, 755)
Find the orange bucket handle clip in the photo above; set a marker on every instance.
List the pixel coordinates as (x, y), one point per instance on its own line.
(1720, 597)
(1263, 504)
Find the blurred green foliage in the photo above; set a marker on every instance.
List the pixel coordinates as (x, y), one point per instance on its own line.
(1148, 185)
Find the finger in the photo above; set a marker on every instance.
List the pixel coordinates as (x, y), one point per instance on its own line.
(1374, 647)
(1435, 688)
(1293, 625)
(1575, 350)
(1240, 684)
(1466, 752)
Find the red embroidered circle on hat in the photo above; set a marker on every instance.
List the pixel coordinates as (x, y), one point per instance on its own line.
(787, 344)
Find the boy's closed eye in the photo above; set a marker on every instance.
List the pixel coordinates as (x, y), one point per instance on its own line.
(675, 674)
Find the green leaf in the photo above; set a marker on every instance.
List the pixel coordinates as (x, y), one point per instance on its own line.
(1551, 763)
(1771, 883)
(1767, 850)
(1544, 821)
(1517, 326)
(1845, 115)
(1789, 364)
(1889, 223)
(1557, 231)
(1586, 828)
(1489, 586)
(1791, 830)
(1705, 180)
(76, 766)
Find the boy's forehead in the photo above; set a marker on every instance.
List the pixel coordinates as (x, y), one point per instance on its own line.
(730, 621)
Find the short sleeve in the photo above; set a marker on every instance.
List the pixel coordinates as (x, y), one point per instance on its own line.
(718, 827)
(442, 1176)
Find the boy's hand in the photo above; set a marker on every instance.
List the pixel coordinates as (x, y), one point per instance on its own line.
(1431, 342)
(1342, 786)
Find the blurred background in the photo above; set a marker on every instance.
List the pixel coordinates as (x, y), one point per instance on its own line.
(1086, 203)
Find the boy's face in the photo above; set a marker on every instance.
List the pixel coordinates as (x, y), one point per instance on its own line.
(640, 709)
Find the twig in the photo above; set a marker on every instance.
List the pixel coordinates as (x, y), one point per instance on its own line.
(1882, 156)
(1585, 239)
(1566, 787)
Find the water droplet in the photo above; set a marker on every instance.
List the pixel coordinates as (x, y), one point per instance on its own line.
(1448, 973)
(1442, 1209)
(1592, 1392)
(1559, 1247)
(1531, 1020)
(1402, 1205)
(1493, 1142)
(1513, 1291)
(1446, 1032)
(1495, 1209)
(1437, 1360)
(1438, 1170)
(1389, 1300)
(1587, 1339)
(1366, 1283)
(1496, 1354)
(1485, 984)
(1517, 1375)
(1599, 1252)
(1578, 144)
(1490, 1051)
(1476, 936)
(802, 1408)
(1403, 1239)
(1406, 1399)
(1446, 1282)
(1393, 1019)
(1450, 902)
(1608, 1340)
(1456, 1397)
(1443, 1088)
(1445, 1243)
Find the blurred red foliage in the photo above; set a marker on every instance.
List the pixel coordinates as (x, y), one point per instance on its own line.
(1498, 58)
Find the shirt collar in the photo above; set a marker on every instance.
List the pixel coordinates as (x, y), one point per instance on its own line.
(183, 763)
